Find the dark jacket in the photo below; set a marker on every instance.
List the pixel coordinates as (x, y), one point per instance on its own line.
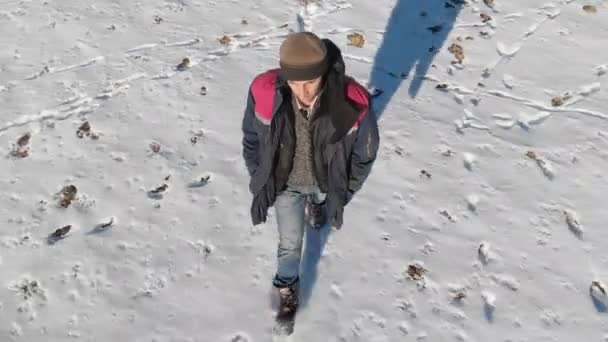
(344, 137)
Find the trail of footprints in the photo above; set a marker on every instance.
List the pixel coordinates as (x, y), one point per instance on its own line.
(502, 120)
(557, 104)
(82, 104)
(561, 103)
(231, 44)
(487, 256)
(70, 196)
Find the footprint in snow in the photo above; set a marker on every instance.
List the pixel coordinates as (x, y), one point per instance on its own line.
(506, 280)
(545, 166)
(369, 326)
(489, 304)
(573, 223)
(404, 328)
(526, 121)
(508, 81)
(240, 337)
(16, 329)
(203, 181)
(105, 225)
(461, 336)
(472, 202)
(469, 159)
(484, 253)
(505, 121)
(599, 295)
(336, 292)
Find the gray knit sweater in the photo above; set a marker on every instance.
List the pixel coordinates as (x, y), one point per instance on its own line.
(302, 173)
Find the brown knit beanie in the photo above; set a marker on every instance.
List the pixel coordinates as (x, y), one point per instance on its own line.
(302, 57)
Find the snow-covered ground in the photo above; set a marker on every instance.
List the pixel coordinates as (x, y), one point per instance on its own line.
(483, 220)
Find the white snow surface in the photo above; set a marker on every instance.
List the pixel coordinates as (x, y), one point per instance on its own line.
(503, 165)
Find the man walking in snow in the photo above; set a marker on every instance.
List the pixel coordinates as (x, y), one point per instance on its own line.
(309, 143)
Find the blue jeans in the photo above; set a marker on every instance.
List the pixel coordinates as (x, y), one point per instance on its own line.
(290, 208)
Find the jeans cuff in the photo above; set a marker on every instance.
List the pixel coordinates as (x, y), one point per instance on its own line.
(282, 282)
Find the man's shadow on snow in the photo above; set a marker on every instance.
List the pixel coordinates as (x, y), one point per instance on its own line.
(416, 30)
(313, 250)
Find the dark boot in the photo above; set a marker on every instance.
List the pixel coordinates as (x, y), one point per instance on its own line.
(288, 304)
(286, 315)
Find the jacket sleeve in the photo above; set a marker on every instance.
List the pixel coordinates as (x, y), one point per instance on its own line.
(250, 137)
(365, 150)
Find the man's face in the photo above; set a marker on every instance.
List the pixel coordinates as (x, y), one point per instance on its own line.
(305, 91)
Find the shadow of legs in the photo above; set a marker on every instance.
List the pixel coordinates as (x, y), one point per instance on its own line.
(313, 249)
